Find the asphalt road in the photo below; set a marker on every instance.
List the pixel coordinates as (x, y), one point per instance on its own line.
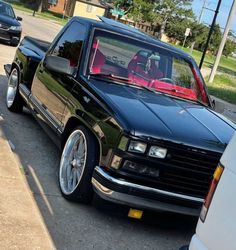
(74, 226)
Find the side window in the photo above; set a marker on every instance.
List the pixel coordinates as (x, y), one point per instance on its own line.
(69, 45)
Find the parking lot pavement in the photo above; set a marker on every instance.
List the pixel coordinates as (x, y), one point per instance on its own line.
(21, 225)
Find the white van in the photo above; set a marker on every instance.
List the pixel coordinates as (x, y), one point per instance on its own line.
(216, 229)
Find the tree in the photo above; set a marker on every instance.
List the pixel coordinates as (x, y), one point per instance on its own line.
(215, 39)
(169, 10)
(41, 5)
(177, 29)
(138, 10)
(157, 12)
(229, 48)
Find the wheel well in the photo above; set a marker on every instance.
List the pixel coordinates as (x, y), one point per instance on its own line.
(72, 124)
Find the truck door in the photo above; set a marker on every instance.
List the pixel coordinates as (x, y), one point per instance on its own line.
(50, 90)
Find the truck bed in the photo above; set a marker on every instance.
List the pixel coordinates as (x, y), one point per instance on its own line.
(37, 46)
(28, 55)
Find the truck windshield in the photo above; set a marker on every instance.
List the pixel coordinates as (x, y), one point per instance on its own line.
(145, 65)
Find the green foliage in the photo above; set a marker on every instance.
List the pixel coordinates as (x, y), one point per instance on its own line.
(229, 48)
(215, 39)
(176, 30)
(157, 12)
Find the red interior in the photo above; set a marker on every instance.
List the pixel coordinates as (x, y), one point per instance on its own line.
(98, 59)
(137, 65)
(172, 89)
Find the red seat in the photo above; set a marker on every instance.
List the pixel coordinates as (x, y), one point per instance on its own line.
(137, 72)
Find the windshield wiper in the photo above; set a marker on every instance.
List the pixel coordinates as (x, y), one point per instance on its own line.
(183, 93)
(147, 88)
(110, 75)
(125, 79)
(172, 90)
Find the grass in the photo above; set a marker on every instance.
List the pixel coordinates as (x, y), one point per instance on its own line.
(227, 65)
(223, 87)
(58, 18)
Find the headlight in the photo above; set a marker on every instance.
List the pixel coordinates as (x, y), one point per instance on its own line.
(137, 147)
(157, 152)
(16, 28)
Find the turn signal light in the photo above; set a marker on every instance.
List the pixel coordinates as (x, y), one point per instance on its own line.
(134, 213)
(216, 177)
(115, 163)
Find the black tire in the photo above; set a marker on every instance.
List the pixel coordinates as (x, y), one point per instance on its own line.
(83, 191)
(14, 101)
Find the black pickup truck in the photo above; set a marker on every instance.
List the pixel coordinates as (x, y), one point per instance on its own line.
(131, 114)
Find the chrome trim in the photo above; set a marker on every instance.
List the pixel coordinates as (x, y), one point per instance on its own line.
(140, 202)
(24, 92)
(5, 39)
(43, 111)
(5, 29)
(145, 188)
(24, 89)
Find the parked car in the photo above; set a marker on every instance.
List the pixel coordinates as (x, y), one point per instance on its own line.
(216, 227)
(132, 115)
(10, 27)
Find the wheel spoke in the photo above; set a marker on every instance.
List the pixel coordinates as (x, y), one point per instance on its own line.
(68, 171)
(78, 173)
(74, 180)
(81, 148)
(70, 181)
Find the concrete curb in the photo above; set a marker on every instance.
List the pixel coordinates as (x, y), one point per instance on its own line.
(21, 224)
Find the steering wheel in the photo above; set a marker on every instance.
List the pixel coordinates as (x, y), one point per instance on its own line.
(166, 79)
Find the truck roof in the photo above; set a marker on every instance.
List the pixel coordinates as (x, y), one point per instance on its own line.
(115, 26)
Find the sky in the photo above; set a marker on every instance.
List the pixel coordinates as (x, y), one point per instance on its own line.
(208, 15)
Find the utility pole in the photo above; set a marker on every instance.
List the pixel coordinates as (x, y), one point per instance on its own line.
(199, 21)
(202, 11)
(210, 33)
(225, 35)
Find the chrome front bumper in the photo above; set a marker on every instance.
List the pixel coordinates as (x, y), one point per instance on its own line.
(127, 193)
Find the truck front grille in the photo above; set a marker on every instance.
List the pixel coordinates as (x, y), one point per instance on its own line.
(186, 171)
(4, 26)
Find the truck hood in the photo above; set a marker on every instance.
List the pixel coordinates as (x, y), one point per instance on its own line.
(155, 115)
(7, 20)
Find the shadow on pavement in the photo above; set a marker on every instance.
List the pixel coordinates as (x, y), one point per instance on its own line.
(102, 225)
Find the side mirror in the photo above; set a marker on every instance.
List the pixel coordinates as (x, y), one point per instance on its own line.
(58, 64)
(19, 18)
(213, 102)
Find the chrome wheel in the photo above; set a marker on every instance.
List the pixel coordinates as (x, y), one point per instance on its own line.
(12, 88)
(73, 162)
